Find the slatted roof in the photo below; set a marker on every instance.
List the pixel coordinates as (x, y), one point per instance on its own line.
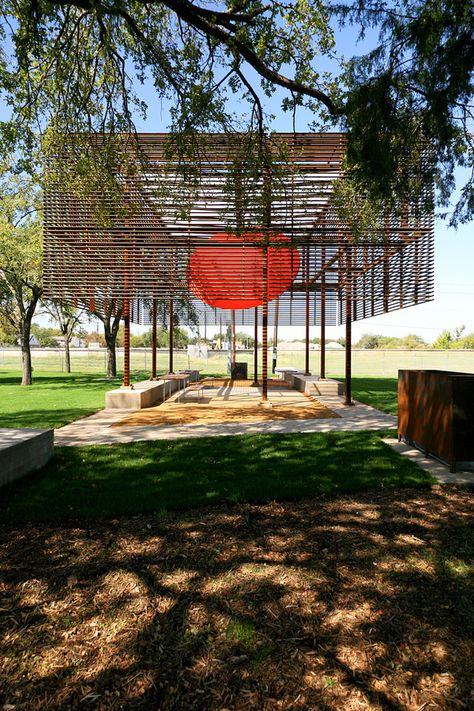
(226, 186)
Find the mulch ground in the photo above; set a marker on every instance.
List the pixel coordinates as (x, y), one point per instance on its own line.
(231, 403)
(357, 602)
(229, 383)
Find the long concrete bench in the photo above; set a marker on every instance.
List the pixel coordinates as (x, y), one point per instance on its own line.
(146, 393)
(313, 385)
(23, 451)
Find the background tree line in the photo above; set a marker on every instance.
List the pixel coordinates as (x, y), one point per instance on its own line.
(446, 339)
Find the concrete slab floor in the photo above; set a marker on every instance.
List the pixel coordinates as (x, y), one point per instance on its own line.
(99, 429)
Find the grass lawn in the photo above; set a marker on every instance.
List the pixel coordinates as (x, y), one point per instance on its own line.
(381, 393)
(53, 400)
(105, 481)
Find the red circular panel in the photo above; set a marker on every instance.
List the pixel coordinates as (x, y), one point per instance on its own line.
(229, 274)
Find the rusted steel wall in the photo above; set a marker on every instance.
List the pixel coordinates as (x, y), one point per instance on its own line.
(436, 412)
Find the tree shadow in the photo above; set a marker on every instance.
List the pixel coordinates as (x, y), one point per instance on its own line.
(132, 478)
(362, 601)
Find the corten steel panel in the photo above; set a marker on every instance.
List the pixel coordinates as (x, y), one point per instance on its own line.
(436, 411)
(463, 417)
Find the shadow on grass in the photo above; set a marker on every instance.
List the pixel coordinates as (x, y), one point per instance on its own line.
(44, 419)
(54, 379)
(381, 393)
(357, 602)
(101, 481)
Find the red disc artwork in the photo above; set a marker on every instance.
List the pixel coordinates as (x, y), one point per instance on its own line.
(229, 272)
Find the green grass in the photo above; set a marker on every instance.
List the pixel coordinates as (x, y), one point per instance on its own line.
(53, 400)
(381, 393)
(106, 481)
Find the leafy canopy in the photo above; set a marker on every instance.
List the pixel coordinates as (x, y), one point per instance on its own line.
(71, 67)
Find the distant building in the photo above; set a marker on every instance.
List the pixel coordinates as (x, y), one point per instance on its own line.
(295, 346)
(74, 343)
(334, 345)
(34, 341)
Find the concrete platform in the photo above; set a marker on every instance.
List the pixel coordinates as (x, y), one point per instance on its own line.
(313, 385)
(147, 393)
(23, 451)
(101, 428)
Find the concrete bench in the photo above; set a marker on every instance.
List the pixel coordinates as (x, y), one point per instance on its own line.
(147, 393)
(313, 385)
(290, 377)
(285, 373)
(23, 451)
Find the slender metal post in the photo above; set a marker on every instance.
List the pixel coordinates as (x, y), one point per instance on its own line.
(275, 336)
(265, 326)
(229, 348)
(267, 211)
(255, 348)
(171, 336)
(306, 366)
(126, 343)
(348, 398)
(322, 370)
(153, 340)
(233, 341)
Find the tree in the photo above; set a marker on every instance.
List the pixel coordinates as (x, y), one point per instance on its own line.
(67, 317)
(46, 337)
(111, 322)
(144, 340)
(368, 340)
(21, 252)
(7, 332)
(66, 68)
(413, 90)
(467, 341)
(449, 339)
(412, 341)
(246, 340)
(444, 340)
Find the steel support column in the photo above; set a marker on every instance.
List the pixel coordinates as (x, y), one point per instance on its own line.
(255, 348)
(265, 326)
(348, 397)
(322, 367)
(126, 343)
(171, 336)
(306, 359)
(153, 340)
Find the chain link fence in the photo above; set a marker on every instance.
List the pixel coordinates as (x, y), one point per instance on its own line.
(368, 363)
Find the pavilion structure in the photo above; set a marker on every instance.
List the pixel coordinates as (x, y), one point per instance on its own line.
(241, 231)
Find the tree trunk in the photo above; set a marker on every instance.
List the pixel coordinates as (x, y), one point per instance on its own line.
(111, 328)
(26, 378)
(67, 355)
(111, 356)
